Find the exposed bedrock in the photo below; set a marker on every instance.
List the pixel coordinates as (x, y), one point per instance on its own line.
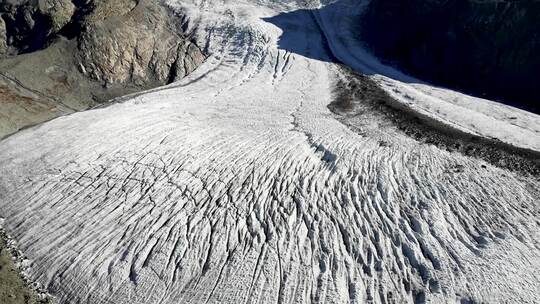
(61, 56)
(142, 47)
(487, 48)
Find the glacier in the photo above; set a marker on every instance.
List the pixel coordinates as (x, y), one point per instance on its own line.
(238, 184)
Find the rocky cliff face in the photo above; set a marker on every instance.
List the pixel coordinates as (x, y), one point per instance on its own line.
(61, 56)
(143, 47)
(488, 48)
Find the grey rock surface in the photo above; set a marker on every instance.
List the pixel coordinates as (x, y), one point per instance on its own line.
(141, 47)
(103, 9)
(58, 11)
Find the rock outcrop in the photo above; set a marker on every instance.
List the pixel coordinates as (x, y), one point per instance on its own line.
(141, 48)
(487, 48)
(59, 13)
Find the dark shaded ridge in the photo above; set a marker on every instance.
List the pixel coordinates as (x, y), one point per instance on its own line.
(362, 93)
(485, 48)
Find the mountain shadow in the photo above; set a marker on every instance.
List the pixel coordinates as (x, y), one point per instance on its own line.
(487, 49)
(302, 35)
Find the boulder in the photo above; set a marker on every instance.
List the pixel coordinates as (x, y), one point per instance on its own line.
(58, 11)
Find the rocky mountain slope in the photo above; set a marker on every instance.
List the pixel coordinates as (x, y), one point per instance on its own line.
(62, 56)
(489, 48)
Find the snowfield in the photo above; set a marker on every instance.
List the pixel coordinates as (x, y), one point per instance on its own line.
(239, 185)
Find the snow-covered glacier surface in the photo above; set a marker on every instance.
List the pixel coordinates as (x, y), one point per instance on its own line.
(238, 185)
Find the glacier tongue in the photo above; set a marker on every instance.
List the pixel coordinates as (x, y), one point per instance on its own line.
(238, 185)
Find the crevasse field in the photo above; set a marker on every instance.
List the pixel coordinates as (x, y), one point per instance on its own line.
(239, 185)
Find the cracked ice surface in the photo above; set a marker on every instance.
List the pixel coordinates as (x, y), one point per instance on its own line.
(238, 185)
